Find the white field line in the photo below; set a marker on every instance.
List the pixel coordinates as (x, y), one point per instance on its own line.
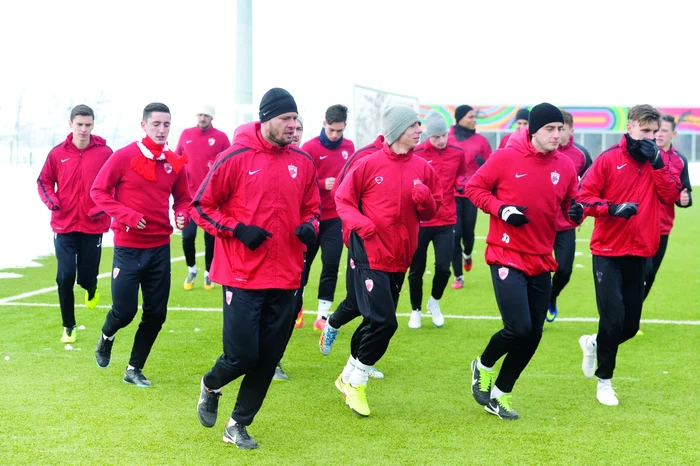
(447, 316)
(29, 294)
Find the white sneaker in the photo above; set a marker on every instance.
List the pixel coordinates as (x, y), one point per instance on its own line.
(435, 313)
(589, 355)
(606, 395)
(414, 321)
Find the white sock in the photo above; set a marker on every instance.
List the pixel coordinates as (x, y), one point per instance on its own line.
(360, 375)
(349, 368)
(192, 269)
(482, 367)
(416, 310)
(231, 422)
(432, 301)
(460, 278)
(206, 273)
(496, 392)
(130, 367)
(107, 338)
(323, 308)
(468, 256)
(604, 382)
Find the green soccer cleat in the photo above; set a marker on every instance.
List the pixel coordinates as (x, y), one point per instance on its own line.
(356, 399)
(69, 335)
(92, 303)
(482, 383)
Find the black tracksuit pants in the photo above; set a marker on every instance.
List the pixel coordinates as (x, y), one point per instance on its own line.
(257, 326)
(443, 245)
(522, 300)
(377, 295)
(148, 269)
(564, 253)
(330, 240)
(79, 252)
(464, 232)
(653, 265)
(619, 289)
(348, 309)
(189, 235)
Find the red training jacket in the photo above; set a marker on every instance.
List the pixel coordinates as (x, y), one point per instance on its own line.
(668, 212)
(615, 177)
(257, 183)
(520, 176)
(127, 197)
(64, 186)
(579, 159)
(201, 147)
(329, 162)
(376, 194)
(473, 147)
(450, 165)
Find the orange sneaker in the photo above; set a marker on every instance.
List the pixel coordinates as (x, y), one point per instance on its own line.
(299, 322)
(320, 323)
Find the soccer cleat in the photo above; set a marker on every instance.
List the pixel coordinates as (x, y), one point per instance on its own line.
(589, 355)
(502, 408)
(340, 385)
(466, 262)
(320, 323)
(279, 373)
(375, 373)
(103, 352)
(325, 342)
(69, 335)
(189, 281)
(415, 320)
(482, 383)
(458, 284)
(208, 405)
(135, 377)
(92, 303)
(356, 399)
(208, 284)
(606, 395)
(639, 332)
(238, 435)
(435, 313)
(299, 322)
(552, 313)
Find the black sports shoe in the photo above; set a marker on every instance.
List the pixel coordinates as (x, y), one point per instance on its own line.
(482, 382)
(136, 377)
(208, 406)
(238, 435)
(502, 408)
(103, 352)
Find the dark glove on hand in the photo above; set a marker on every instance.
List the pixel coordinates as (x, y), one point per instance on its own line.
(575, 212)
(306, 233)
(513, 215)
(251, 235)
(624, 210)
(652, 153)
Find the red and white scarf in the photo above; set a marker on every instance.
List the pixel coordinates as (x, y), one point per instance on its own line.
(146, 165)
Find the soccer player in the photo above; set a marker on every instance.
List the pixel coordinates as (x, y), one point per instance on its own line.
(449, 163)
(330, 150)
(201, 144)
(64, 186)
(134, 188)
(521, 119)
(624, 190)
(522, 187)
(381, 202)
(261, 202)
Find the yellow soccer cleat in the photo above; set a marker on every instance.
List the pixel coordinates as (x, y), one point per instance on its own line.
(356, 399)
(92, 303)
(189, 281)
(69, 335)
(208, 284)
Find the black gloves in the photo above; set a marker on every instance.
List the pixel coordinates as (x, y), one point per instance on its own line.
(251, 235)
(624, 210)
(644, 150)
(575, 212)
(306, 233)
(513, 215)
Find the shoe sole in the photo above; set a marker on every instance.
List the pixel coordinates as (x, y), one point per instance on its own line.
(231, 442)
(102, 367)
(136, 385)
(358, 413)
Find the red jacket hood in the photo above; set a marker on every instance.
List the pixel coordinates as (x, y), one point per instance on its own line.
(394, 156)
(249, 135)
(94, 141)
(520, 141)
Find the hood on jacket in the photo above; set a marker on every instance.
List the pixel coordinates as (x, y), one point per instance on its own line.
(249, 135)
(94, 141)
(521, 142)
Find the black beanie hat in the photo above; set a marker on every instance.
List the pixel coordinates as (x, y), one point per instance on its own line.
(461, 111)
(522, 114)
(276, 102)
(543, 114)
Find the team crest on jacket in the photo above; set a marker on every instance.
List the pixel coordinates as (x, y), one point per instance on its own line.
(292, 170)
(229, 297)
(212, 141)
(378, 179)
(352, 264)
(115, 272)
(555, 177)
(369, 283)
(344, 154)
(503, 273)
(168, 168)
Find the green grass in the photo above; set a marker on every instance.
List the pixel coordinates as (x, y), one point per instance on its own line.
(59, 408)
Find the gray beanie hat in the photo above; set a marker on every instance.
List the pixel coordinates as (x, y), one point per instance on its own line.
(300, 120)
(396, 119)
(434, 124)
